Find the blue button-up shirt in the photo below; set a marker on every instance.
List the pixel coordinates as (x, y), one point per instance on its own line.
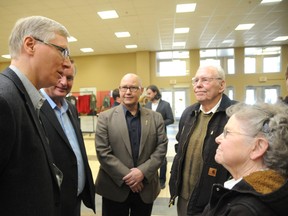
(69, 130)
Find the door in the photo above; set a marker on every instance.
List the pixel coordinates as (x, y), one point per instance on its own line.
(178, 99)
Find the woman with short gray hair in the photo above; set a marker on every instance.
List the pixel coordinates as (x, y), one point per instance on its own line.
(254, 149)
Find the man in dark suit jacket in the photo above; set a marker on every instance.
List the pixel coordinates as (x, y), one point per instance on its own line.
(131, 144)
(29, 180)
(61, 124)
(163, 107)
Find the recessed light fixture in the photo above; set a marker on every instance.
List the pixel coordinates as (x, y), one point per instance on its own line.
(228, 41)
(122, 34)
(179, 44)
(184, 8)
(132, 46)
(111, 14)
(181, 30)
(281, 38)
(244, 26)
(71, 39)
(87, 50)
(269, 1)
(7, 56)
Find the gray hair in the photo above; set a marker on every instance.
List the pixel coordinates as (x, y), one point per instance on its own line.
(269, 121)
(36, 26)
(220, 71)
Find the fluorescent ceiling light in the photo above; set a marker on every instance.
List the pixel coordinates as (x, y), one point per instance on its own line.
(183, 8)
(133, 46)
(72, 39)
(108, 14)
(87, 50)
(281, 38)
(269, 1)
(7, 56)
(244, 26)
(177, 44)
(228, 41)
(122, 34)
(181, 30)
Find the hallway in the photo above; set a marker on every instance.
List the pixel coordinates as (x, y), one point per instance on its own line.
(160, 207)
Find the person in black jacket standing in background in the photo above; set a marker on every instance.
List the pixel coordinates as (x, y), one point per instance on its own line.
(61, 124)
(163, 107)
(194, 169)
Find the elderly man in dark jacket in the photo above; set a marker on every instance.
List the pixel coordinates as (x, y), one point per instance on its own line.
(194, 169)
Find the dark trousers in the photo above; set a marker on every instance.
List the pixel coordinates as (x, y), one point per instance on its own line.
(163, 170)
(133, 206)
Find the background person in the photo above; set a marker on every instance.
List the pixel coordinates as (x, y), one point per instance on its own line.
(116, 97)
(29, 180)
(61, 123)
(163, 107)
(254, 149)
(131, 144)
(194, 169)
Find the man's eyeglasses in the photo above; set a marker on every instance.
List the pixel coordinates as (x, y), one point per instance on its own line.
(203, 80)
(64, 51)
(131, 88)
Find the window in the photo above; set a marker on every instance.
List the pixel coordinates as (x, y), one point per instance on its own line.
(173, 63)
(250, 65)
(223, 57)
(267, 94)
(229, 91)
(271, 64)
(262, 60)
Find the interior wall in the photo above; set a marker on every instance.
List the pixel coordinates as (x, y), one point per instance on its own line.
(105, 72)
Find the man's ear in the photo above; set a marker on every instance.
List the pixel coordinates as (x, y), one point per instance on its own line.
(28, 45)
(260, 147)
(222, 86)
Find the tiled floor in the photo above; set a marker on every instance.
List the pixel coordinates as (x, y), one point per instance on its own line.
(160, 207)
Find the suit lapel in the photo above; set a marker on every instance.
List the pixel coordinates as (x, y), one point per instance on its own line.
(146, 121)
(119, 120)
(73, 119)
(31, 111)
(159, 107)
(49, 114)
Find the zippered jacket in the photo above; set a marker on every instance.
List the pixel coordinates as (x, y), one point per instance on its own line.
(212, 172)
(243, 199)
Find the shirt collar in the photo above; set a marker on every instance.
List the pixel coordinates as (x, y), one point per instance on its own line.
(126, 110)
(214, 109)
(52, 103)
(35, 96)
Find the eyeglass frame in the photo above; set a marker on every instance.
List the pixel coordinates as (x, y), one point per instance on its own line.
(226, 132)
(64, 51)
(131, 88)
(204, 80)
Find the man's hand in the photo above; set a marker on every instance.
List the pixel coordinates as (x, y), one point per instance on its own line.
(134, 180)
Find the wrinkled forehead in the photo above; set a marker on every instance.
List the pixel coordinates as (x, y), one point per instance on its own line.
(206, 72)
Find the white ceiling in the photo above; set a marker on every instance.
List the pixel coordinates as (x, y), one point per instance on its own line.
(151, 23)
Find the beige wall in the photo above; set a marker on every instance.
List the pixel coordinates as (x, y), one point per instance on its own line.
(105, 71)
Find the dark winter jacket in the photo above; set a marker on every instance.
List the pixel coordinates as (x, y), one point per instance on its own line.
(263, 193)
(212, 172)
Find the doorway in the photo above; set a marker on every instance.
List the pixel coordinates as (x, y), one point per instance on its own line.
(178, 99)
